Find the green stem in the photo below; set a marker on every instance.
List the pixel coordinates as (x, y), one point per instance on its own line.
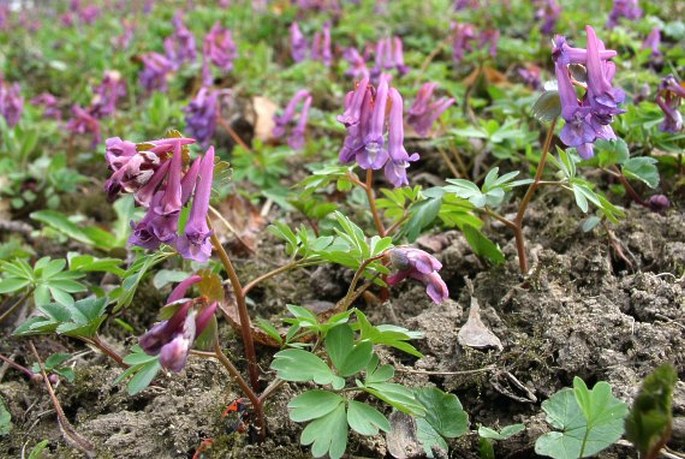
(518, 221)
(368, 187)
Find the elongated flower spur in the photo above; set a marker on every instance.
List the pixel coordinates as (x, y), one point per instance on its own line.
(587, 119)
(419, 265)
(285, 119)
(155, 173)
(671, 94)
(423, 112)
(172, 339)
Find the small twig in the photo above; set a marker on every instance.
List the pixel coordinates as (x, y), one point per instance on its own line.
(68, 431)
(271, 388)
(447, 373)
(250, 285)
(29, 374)
(450, 164)
(234, 135)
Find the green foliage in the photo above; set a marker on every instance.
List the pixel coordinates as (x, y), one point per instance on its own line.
(648, 426)
(487, 435)
(79, 319)
(37, 451)
(54, 364)
(587, 421)
(142, 370)
(5, 419)
(46, 279)
(445, 418)
(131, 279)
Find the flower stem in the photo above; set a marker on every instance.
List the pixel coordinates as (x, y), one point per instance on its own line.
(250, 285)
(107, 350)
(616, 172)
(257, 402)
(245, 325)
(372, 203)
(518, 221)
(29, 374)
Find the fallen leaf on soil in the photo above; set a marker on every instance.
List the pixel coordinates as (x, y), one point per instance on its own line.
(265, 109)
(475, 334)
(401, 440)
(246, 224)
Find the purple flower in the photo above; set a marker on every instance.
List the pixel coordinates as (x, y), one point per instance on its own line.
(423, 113)
(123, 41)
(358, 68)
(396, 167)
(201, 115)
(531, 75)
(628, 9)
(195, 243)
(670, 95)
(107, 94)
(374, 155)
(83, 122)
(172, 339)
(219, 47)
(299, 48)
(156, 72)
(179, 292)
(548, 11)
(389, 55)
(296, 139)
(11, 102)
(180, 46)
(464, 34)
(321, 45)
(588, 119)
(658, 203)
(465, 4)
(49, 104)
(419, 265)
(652, 42)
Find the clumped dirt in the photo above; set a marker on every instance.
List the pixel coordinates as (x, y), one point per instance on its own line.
(602, 305)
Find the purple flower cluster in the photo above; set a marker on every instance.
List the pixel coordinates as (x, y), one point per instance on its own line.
(548, 11)
(155, 174)
(83, 122)
(107, 94)
(423, 112)
(180, 46)
(652, 42)
(157, 69)
(587, 119)
(11, 102)
(389, 55)
(123, 41)
(628, 9)
(421, 266)
(201, 115)
(364, 117)
(320, 49)
(50, 105)
(282, 121)
(172, 339)
(671, 94)
(465, 37)
(531, 75)
(220, 50)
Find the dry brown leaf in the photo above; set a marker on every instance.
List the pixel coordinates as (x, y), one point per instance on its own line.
(264, 109)
(475, 334)
(246, 224)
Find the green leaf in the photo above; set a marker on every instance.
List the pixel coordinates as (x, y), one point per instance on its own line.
(482, 246)
(643, 169)
(397, 396)
(387, 335)
(547, 107)
(365, 419)
(589, 421)
(313, 404)
(12, 284)
(37, 451)
(61, 223)
(611, 152)
(503, 434)
(466, 190)
(421, 215)
(327, 434)
(339, 343)
(648, 426)
(443, 412)
(143, 369)
(301, 366)
(430, 439)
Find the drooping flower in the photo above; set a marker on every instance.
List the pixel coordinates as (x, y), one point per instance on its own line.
(628, 9)
(172, 339)
(194, 244)
(423, 112)
(365, 120)
(219, 48)
(156, 72)
(389, 55)
(50, 105)
(548, 11)
(299, 48)
(107, 94)
(285, 119)
(419, 265)
(587, 119)
(201, 115)
(358, 68)
(652, 42)
(82, 122)
(180, 46)
(11, 102)
(321, 45)
(464, 34)
(671, 94)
